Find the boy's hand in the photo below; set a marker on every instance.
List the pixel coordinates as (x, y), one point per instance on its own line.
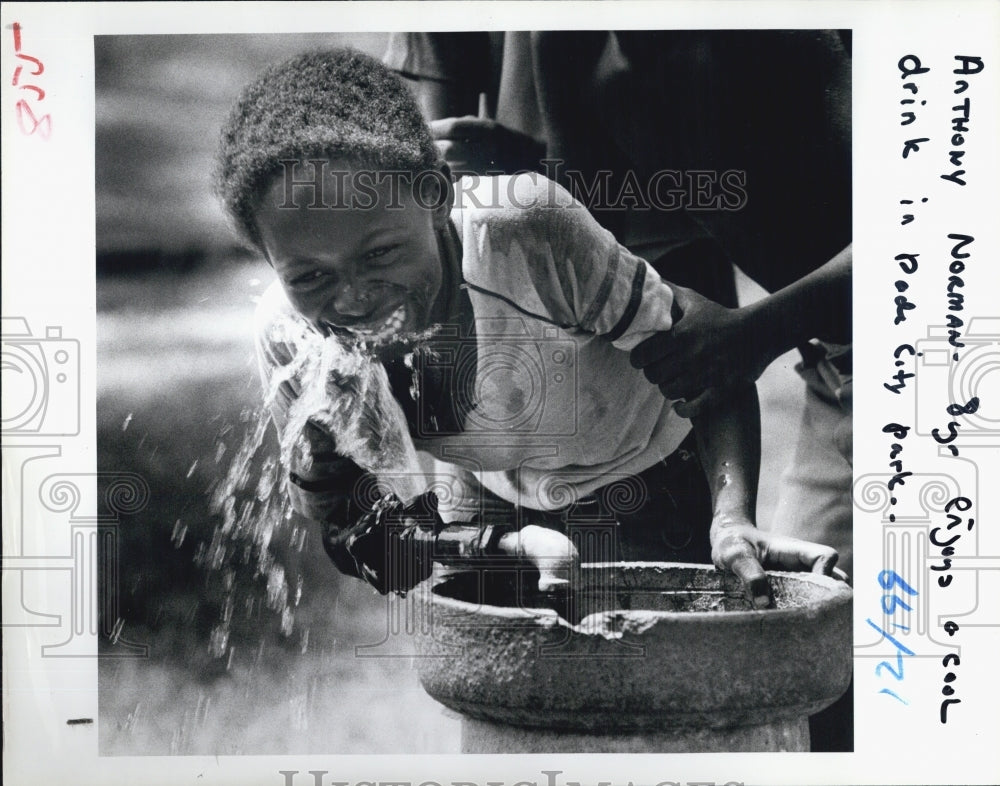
(480, 145)
(709, 351)
(738, 546)
(551, 552)
(392, 545)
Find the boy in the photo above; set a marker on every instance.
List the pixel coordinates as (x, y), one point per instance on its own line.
(483, 347)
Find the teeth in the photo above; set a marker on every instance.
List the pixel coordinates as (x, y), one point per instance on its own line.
(392, 324)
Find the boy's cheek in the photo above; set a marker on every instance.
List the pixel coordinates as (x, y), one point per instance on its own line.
(305, 307)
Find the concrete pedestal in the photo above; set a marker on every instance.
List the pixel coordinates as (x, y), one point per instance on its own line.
(664, 658)
(485, 737)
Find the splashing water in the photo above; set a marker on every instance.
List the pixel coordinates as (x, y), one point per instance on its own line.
(343, 389)
(177, 536)
(250, 514)
(277, 589)
(218, 640)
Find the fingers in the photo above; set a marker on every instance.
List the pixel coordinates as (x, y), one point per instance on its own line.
(754, 580)
(467, 144)
(318, 439)
(694, 407)
(664, 372)
(551, 552)
(657, 347)
(462, 156)
(738, 556)
(684, 297)
(468, 128)
(787, 553)
(825, 562)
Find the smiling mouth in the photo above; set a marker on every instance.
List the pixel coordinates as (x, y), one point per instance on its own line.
(380, 331)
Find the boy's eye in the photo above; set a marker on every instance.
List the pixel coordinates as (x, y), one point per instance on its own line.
(308, 278)
(379, 257)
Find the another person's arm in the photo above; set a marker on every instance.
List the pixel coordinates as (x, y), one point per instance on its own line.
(623, 299)
(712, 349)
(448, 72)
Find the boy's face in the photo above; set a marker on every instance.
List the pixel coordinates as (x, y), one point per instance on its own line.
(373, 269)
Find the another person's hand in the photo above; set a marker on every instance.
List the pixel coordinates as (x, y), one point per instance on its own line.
(710, 351)
(480, 145)
(739, 547)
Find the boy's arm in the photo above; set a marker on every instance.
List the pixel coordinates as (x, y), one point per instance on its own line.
(728, 438)
(391, 544)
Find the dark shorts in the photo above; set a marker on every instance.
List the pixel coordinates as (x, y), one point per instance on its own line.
(663, 514)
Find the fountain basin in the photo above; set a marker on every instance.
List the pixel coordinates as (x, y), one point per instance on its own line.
(663, 657)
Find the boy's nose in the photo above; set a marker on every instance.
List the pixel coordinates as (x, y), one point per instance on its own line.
(353, 301)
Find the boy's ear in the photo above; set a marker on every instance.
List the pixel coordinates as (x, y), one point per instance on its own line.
(260, 247)
(439, 191)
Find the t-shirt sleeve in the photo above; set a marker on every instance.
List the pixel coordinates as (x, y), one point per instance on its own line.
(579, 273)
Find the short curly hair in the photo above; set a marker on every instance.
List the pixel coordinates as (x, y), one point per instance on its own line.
(336, 103)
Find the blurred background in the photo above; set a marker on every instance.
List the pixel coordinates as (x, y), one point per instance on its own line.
(228, 631)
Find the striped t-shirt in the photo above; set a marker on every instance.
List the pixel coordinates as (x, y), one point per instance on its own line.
(558, 409)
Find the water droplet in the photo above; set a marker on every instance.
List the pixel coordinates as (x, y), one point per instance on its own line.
(277, 588)
(268, 474)
(218, 640)
(177, 537)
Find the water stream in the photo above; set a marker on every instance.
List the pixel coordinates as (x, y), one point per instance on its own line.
(343, 389)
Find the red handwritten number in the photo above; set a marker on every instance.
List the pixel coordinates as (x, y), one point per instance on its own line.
(39, 67)
(29, 123)
(43, 124)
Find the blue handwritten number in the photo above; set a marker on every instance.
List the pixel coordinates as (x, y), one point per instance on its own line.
(899, 662)
(887, 579)
(899, 645)
(893, 694)
(889, 603)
